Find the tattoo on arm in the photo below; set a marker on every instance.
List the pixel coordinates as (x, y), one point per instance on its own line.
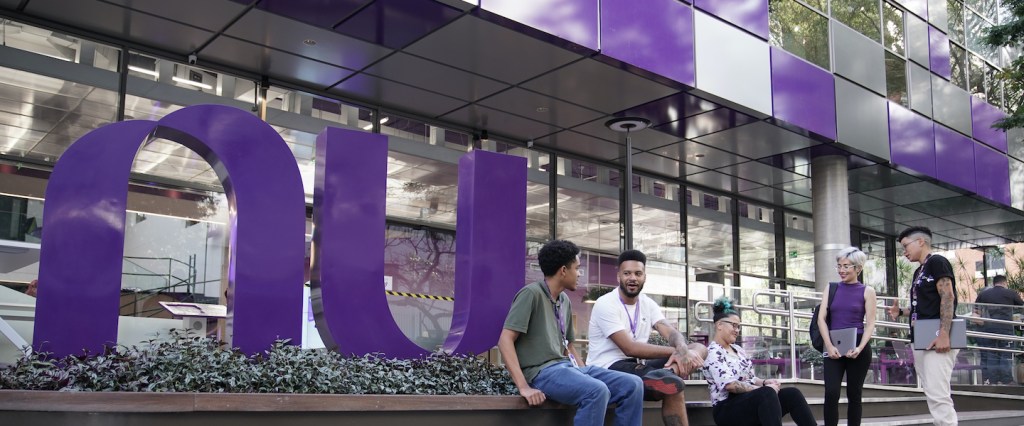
(740, 387)
(945, 288)
(676, 340)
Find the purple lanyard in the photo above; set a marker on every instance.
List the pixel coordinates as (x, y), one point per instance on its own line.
(913, 289)
(557, 307)
(635, 318)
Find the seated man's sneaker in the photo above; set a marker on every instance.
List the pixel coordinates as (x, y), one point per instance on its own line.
(663, 382)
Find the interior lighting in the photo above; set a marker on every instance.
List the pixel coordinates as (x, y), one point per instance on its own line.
(143, 71)
(192, 83)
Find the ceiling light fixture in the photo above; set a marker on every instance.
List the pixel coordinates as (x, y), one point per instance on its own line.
(309, 42)
(143, 71)
(484, 137)
(192, 83)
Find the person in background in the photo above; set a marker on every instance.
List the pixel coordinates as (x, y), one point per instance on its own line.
(739, 398)
(996, 367)
(536, 345)
(854, 305)
(620, 325)
(33, 288)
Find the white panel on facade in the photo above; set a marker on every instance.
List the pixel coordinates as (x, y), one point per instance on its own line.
(951, 104)
(732, 64)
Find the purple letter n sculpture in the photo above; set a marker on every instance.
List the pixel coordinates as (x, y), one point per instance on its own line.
(81, 258)
(349, 302)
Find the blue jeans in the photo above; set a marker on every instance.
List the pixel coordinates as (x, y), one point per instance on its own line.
(591, 389)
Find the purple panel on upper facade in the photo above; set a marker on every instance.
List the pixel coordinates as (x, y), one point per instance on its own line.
(573, 20)
(657, 37)
(992, 169)
(396, 23)
(950, 144)
(938, 58)
(803, 94)
(983, 115)
(911, 140)
(917, 7)
(321, 13)
(751, 15)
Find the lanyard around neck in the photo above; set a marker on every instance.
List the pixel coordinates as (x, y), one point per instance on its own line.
(633, 320)
(915, 286)
(556, 307)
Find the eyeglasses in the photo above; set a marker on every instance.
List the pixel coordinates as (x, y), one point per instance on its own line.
(734, 325)
(909, 243)
(842, 267)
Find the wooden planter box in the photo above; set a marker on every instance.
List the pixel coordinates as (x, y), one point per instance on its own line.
(196, 409)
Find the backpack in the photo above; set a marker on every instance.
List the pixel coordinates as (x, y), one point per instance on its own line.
(817, 341)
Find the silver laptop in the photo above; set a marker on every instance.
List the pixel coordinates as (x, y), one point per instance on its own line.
(844, 339)
(927, 330)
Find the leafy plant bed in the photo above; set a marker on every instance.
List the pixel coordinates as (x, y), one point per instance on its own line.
(197, 364)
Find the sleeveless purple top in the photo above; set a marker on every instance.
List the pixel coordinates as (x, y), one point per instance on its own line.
(847, 309)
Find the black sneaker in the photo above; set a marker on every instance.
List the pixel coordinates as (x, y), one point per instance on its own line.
(663, 382)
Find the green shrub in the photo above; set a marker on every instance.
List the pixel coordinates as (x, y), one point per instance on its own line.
(188, 363)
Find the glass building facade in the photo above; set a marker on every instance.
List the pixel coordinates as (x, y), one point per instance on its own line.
(742, 100)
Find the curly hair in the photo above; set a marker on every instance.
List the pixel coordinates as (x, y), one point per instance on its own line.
(636, 255)
(556, 254)
(722, 308)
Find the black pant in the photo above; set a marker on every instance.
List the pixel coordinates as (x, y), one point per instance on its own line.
(634, 367)
(856, 370)
(764, 407)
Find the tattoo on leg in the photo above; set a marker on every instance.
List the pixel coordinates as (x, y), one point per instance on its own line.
(672, 421)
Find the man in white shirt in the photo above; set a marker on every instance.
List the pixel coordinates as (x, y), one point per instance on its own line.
(620, 324)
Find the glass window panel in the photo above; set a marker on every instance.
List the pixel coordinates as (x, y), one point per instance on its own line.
(895, 30)
(896, 79)
(709, 232)
(861, 15)
(799, 249)
(421, 189)
(656, 232)
(986, 8)
(976, 26)
(421, 261)
(958, 65)
(983, 81)
(588, 219)
(956, 20)
(874, 273)
(800, 31)
(538, 211)
(757, 240)
(820, 5)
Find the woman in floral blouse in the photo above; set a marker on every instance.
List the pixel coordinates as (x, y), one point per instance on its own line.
(737, 396)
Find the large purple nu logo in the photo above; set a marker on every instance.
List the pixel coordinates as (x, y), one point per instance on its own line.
(84, 222)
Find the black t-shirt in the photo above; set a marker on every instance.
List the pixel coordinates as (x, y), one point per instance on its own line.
(997, 295)
(925, 277)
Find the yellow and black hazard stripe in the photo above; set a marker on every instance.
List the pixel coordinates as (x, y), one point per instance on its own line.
(419, 296)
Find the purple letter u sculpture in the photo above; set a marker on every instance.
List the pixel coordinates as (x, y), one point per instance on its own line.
(83, 245)
(349, 302)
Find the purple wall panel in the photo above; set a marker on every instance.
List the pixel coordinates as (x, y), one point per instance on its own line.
(983, 115)
(950, 144)
(992, 169)
(657, 37)
(751, 15)
(573, 20)
(911, 140)
(938, 48)
(803, 94)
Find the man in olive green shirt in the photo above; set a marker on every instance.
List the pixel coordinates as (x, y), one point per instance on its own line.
(536, 345)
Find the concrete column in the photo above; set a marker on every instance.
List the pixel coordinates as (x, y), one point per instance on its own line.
(830, 204)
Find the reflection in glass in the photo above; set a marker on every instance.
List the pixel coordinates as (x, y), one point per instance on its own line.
(861, 15)
(757, 240)
(799, 249)
(421, 261)
(874, 273)
(983, 83)
(895, 31)
(709, 232)
(421, 190)
(986, 8)
(956, 20)
(799, 30)
(588, 219)
(896, 79)
(958, 65)
(975, 38)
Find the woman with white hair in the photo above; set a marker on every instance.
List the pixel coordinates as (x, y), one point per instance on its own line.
(853, 306)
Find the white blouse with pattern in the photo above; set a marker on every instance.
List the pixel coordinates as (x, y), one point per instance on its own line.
(723, 367)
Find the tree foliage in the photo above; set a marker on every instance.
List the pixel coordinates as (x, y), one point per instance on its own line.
(1011, 34)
